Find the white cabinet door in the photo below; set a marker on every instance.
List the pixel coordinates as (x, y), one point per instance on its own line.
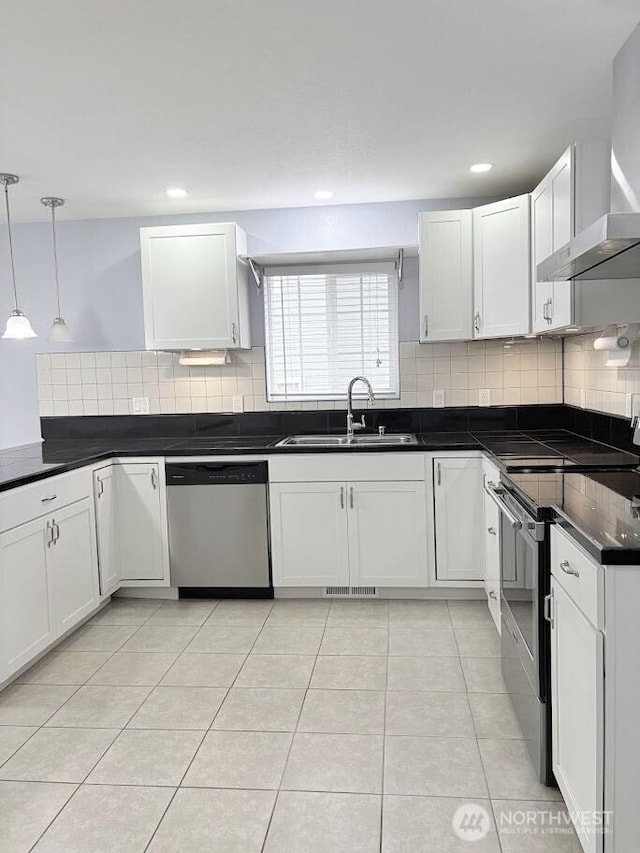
(387, 534)
(309, 545)
(26, 622)
(577, 694)
(459, 517)
(552, 217)
(72, 565)
(502, 268)
(491, 545)
(195, 291)
(141, 524)
(104, 495)
(446, 275)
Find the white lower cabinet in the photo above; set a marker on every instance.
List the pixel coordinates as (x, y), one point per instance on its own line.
(577, 692)
(104, 496)
(349, 534)
(73, 566)
(491, 535)
(387, 534)
(458, 520)
(309, 534)
(26, 611)
(141, 524)
(48, 582)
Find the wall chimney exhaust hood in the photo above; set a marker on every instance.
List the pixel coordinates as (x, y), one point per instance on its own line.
(610, 247)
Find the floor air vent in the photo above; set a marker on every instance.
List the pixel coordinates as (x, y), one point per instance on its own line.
(350, 591)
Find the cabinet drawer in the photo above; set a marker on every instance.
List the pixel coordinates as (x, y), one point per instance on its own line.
(340, 467)
(22, 504)
(577, 573)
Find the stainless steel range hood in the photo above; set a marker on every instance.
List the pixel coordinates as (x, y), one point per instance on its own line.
(610, 248)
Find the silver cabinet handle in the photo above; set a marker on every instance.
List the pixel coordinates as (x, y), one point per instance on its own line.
(49, 535)
(55, 531)
(100, 486)
(351, 498)
(426, 325)
(48, 498)
(548, 608)
(439, 473)
(492, 594)
(566, 568)
(341, 497)
(154, 478)
(476, 321)
(492, 531)
(550, 314)
(234, 333)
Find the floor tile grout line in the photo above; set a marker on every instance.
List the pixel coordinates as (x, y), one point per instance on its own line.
(293, 736)
(55, 817)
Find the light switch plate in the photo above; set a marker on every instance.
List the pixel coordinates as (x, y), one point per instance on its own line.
(140, 405)
(237, 404)
(438, 399)
(484, 397)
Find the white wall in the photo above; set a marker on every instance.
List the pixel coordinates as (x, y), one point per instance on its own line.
(102, 292)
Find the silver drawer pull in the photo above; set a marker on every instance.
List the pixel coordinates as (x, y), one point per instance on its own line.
(341, 497)
(48, 498)
(548, 608)
(566, 568)
(492, 531)
(492, 594)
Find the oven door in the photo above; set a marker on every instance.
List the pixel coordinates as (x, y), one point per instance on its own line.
(520, 549)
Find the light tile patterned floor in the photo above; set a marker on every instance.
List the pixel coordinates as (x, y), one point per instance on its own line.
(286, 727)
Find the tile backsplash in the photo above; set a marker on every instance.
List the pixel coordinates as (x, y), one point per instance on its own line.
(105, 383)
(605, 388)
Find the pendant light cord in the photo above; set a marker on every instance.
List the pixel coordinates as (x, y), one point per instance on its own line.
(13, 267)
(55, 257)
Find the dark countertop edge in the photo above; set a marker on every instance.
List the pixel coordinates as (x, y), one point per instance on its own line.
(605, 556)
(171, 451)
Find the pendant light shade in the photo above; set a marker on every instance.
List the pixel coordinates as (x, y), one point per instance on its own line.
(18, 327)
(59, 332)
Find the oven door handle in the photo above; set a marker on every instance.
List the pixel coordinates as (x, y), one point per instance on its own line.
(493, 493)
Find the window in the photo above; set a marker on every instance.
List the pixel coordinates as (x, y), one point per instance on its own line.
(326, 324)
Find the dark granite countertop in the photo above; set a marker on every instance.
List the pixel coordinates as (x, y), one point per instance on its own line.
(596, 508)
(544, 465)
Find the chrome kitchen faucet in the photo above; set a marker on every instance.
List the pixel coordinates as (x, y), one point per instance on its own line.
(351, 427)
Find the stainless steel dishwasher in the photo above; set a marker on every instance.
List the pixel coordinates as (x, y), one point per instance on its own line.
(218, 529)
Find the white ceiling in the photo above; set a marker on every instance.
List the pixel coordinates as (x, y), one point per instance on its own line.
(258, 103)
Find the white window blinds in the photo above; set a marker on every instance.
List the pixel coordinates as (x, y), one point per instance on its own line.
(326, 324)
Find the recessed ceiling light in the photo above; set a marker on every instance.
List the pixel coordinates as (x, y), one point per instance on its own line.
(176, 192)
(481, 167)
(323, 195)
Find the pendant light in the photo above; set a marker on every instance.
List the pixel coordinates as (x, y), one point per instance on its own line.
(18, 327)
(59, 332)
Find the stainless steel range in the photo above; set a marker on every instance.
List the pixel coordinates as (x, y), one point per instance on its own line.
(524, 583)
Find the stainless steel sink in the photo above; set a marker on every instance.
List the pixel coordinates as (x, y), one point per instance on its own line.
(391, 440)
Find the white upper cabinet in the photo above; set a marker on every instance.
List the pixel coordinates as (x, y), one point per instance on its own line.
(552, 226)
(195, 289)
(446, 275)
(502, 268)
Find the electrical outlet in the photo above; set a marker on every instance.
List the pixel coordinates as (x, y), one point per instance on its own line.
(438, 399)
(237, 404)
(583, 398)
(484, 397)
(140, 405)
(628, 405)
